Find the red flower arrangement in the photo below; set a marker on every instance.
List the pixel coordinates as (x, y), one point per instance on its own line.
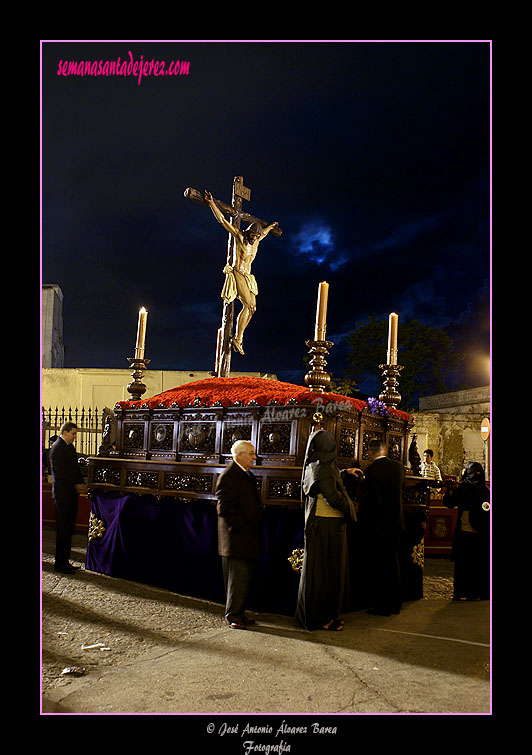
(245, 391)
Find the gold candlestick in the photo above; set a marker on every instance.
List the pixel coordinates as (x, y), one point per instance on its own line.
(390, 396)
(317, 379)
(136, 388)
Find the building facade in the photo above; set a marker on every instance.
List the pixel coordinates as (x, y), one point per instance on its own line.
(53, 350)
(449, 424)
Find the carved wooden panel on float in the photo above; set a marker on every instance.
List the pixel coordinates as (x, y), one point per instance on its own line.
(179, 442)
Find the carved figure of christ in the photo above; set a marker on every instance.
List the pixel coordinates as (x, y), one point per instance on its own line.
(240, 283)
(241, 251)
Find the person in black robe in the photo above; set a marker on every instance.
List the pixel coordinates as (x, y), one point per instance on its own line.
(327, 509)
(471, 538)
(382, 519)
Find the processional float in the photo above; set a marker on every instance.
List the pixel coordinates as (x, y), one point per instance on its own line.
(173, 446)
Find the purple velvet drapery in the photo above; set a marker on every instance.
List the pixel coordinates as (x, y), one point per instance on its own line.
(173, 543)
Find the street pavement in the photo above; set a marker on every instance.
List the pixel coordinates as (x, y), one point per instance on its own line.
(110, 646)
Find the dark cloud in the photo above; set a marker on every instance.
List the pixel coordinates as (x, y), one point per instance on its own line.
(373, 157)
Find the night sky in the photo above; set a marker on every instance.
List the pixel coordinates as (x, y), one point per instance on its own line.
(374, 157)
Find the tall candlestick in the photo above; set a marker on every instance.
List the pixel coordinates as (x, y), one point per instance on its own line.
(141, 334)
(321, 312)
(392, 338)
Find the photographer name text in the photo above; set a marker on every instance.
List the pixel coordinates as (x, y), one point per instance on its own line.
(250, 746)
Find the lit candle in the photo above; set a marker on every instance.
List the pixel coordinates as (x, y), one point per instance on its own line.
(141, 334)
(392, 338)
(321, 312)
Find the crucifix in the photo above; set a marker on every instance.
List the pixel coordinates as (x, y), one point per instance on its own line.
(242, 247)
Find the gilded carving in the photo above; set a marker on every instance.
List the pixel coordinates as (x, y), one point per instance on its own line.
(96, 527)
(418, 554)
(296, 559)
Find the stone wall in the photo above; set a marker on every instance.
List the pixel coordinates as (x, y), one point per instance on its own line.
(471, 401)
(449, 424)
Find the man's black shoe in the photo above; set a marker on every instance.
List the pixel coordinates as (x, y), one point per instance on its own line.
(65, 569)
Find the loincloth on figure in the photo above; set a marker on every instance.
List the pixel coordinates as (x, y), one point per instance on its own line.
(241, 286)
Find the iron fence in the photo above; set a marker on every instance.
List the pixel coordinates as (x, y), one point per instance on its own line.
(90, 424)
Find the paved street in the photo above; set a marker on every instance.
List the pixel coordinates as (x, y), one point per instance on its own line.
(141, 649)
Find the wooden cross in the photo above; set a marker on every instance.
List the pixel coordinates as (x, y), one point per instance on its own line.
(236, 215)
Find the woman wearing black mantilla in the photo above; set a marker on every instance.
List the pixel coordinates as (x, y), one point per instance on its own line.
(471, 539)
(327, 510)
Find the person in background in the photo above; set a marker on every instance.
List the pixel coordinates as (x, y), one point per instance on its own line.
(471, 538)
(240, 531)
(429, 468)
(67, 484)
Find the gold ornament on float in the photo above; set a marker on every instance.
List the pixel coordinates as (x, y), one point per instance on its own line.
(296, 559)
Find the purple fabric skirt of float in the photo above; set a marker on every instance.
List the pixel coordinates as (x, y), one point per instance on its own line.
(172, 543)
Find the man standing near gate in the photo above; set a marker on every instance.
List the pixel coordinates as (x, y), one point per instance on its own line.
(240, 531)
(67, 484)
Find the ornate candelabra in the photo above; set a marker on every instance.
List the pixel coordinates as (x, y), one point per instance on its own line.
(390, 396)
(136, 388)
(317, 379)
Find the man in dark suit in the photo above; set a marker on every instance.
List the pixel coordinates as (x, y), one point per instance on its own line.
(240, 531)
(382, 511)
(67, 484)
